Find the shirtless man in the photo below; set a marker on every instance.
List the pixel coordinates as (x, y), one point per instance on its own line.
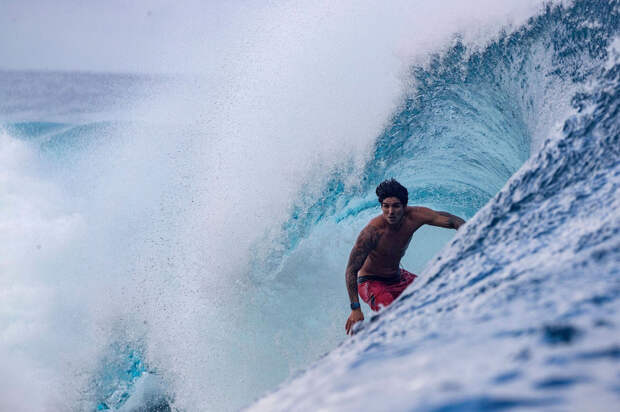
(375, 258)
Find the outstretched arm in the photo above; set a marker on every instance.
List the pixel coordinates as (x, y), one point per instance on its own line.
(366, 242)
(441, 219)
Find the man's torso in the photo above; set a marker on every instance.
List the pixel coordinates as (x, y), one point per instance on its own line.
(385, 258)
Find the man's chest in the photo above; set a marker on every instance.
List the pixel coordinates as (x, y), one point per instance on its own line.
(395, 243)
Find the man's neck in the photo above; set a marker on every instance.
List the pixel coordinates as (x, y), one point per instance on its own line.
(396, 226)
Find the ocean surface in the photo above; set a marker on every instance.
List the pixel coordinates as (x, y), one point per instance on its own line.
(179, 242)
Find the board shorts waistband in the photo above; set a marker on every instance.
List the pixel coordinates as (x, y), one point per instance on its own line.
(389, 281)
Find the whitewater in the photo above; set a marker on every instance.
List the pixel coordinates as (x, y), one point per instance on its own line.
(178, 242)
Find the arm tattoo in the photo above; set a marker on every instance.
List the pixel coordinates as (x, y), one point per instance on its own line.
(366, 242)
(454, 221)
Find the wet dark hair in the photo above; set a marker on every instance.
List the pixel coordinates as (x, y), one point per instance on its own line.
(391, 188)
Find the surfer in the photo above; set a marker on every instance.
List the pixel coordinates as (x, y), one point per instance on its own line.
(373, 267)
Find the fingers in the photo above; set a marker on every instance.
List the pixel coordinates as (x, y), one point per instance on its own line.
(349, 326)
(352, 328)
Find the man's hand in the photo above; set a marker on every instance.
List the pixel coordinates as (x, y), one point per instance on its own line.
(355, 316)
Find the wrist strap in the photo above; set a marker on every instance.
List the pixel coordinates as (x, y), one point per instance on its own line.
(355, 305)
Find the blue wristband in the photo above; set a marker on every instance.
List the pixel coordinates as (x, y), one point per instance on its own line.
(355, 305)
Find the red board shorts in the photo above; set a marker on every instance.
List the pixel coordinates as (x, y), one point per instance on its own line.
(380, 292)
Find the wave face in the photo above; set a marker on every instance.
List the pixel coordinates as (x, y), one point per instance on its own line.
(136, 278)
(521, 309)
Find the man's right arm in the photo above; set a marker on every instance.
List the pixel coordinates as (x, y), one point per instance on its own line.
(366, 242)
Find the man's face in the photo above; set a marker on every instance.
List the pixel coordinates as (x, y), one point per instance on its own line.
(393, 210)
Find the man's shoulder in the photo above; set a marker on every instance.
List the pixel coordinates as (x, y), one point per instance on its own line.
(418, 213)
(411, 211)
(371, 232)
(417, 210)
(376, 222)
(375, 227)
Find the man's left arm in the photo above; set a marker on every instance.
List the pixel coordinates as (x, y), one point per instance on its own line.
(441, 219)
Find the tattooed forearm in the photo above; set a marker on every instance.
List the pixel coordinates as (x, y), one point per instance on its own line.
(453, 221)
(366, 242)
